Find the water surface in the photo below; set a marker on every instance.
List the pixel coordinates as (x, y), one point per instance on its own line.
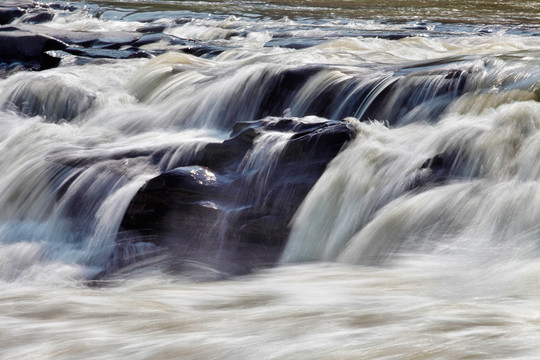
(419, 241)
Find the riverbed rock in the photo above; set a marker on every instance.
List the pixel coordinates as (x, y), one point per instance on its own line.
(13, 9)
(28, 42)
(451, 165)
(224, 215)
(99, 53)
(25, 46)
(37, 16)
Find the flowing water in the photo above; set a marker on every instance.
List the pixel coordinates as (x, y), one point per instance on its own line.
(421, 240)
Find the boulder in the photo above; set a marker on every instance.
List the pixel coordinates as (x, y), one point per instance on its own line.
(26, 46)
(108, 39)
(13, 9)
(52, 58)
(228, 216)
(31, 45)
(38, 17)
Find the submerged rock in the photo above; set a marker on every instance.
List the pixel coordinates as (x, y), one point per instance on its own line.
(450, 165)
(54, 98)
(108, 53)
(230, 211)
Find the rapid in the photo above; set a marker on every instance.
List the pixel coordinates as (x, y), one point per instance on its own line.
(273, 180)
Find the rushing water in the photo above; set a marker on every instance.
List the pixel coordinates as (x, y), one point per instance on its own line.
(419, 241)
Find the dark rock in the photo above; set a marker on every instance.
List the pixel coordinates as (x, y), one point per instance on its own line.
(29, 44)
(416, 27)
(26, 46)
(66, 7)
(294, 42)
(83, 38)
(231, 218)
(282, 87)
(182, 21)
(101, 53)
(6, 69)
(207, 51)
(435, 163)
(152, 29)
(52, 58)
(452, 164)
(182, 189)
(401, 94)
(324, 141)
(189, 181)
(13, 9)
(435, 170)
(146, 39)
(7, 15)
(38, 17)
(228, 154)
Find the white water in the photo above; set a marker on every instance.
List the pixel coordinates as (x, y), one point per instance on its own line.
(372, 270)
(492, 194)
(304, 312)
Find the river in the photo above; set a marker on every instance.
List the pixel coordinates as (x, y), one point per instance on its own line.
(419, 238)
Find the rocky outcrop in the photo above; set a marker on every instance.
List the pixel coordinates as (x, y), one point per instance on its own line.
(25, 43)
(230, 209)
(31, 45)
(25, 46)
(22, 46)
(13, 9)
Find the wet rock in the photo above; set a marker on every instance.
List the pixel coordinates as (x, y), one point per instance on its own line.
(38, 17)
(217, 213)
(52, 58)
(182, 21)
(13, 9)
(452, 164)
(229, 153)
(7, 15)
(152, 29)
(101, 53)
(435, 170)
(85, 39)
(281, 89)
(7, 69)
(412, 91)
(55, 100)
(26, 46)
(206, 51)
(150, 38)
(294, 42)
(30, 44)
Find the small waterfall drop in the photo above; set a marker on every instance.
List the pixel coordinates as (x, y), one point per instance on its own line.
(260, 161)
(269, 179)
(401, 188)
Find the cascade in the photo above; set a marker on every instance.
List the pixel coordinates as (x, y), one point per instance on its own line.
(216, 142)
(279, 179)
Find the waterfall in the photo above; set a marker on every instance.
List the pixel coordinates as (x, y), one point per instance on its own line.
(398, 189)
(235, 144)
(269, 179)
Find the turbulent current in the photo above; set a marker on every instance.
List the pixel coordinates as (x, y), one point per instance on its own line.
(270, 180)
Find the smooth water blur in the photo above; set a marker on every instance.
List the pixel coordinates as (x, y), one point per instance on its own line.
(420, 240)
(426, 308)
